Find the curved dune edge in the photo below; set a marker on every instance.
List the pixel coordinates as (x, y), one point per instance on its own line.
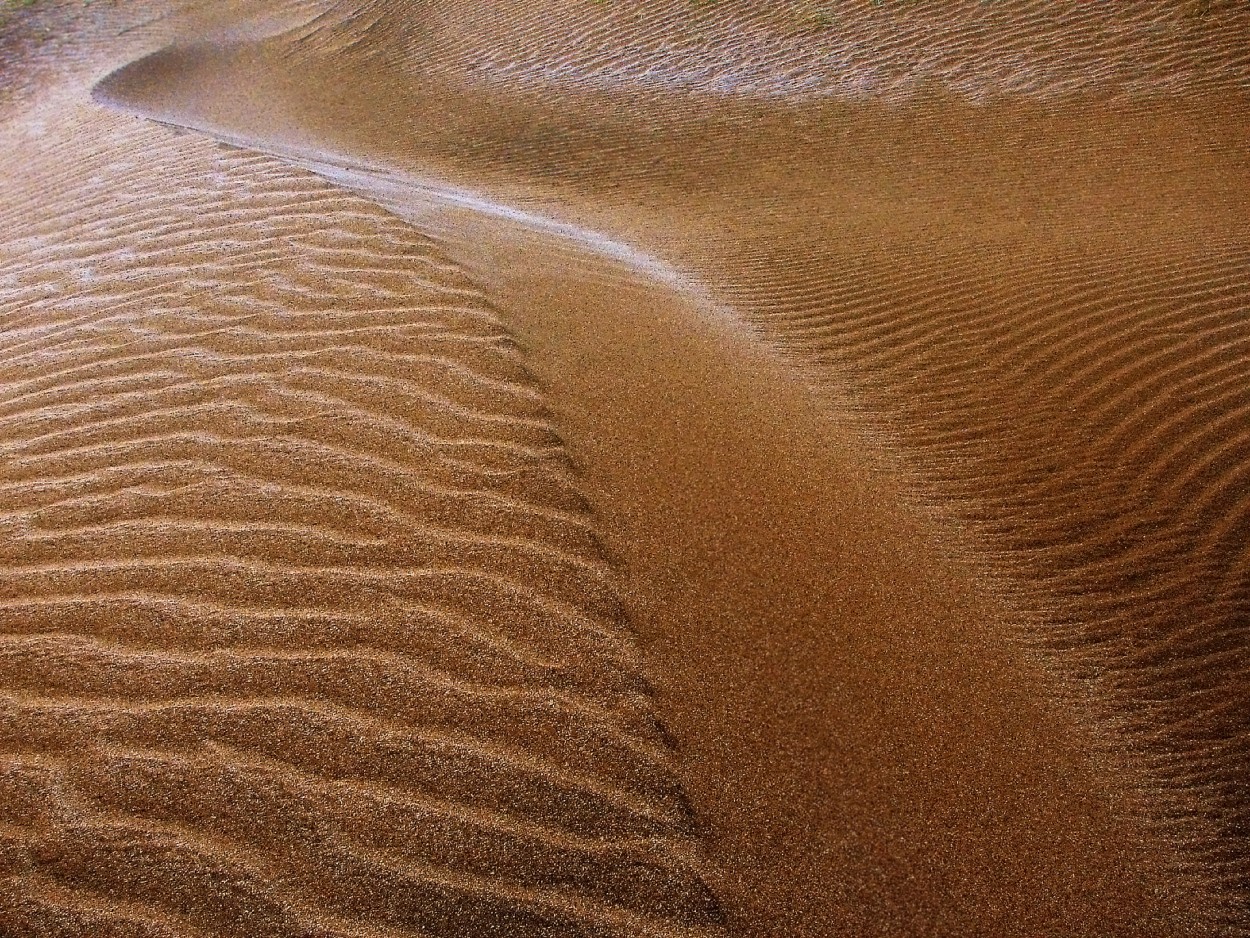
(714, 465)
(905, 281)
(920, 869)
(711, 494)
(307, 629)
(744, 223)
(306, 626)
(853, 767)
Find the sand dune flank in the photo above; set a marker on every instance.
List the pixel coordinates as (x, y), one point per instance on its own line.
(597, 469)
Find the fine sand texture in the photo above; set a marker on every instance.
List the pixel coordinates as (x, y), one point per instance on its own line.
(590, 468)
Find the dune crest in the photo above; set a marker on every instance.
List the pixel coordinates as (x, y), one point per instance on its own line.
(1030, 304)
(587, 468)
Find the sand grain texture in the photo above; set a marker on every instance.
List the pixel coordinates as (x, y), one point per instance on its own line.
(589, 468)
(307, 628)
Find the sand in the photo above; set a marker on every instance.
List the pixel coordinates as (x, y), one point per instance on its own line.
(580, 468)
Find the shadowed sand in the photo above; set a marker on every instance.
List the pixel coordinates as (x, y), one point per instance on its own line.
(567, 470)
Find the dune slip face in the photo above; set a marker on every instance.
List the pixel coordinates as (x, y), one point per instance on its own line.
(588, 468)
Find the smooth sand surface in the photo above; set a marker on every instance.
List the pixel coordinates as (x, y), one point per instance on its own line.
(581, 468)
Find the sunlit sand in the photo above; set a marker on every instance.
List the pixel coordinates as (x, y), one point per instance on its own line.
(604, 468)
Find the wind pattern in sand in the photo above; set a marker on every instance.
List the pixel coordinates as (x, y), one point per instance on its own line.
(1078, 410)
(304, 625)
(306, 628)
(1086, 424)
(804, 49)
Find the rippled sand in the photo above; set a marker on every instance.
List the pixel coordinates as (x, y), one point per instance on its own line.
(602, 468)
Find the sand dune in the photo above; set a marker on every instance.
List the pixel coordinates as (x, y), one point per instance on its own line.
(307, 627)
(586, 468)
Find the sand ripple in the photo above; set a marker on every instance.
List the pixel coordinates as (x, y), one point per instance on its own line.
(810, 48)
(306, 627)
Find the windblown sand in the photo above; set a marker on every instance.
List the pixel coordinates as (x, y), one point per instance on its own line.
(617, 469)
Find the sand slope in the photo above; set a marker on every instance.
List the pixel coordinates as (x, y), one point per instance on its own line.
(895, 354)
(307, 629)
